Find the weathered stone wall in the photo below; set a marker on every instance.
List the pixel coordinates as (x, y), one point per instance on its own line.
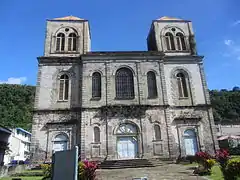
(195, 87)
(48, 86)
(46, 126)
(108, 70)
(78, 116)
(148, 146)
(81, 28)
(159, 31)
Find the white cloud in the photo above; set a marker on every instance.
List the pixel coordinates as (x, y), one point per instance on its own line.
(233, 49)
(236, 23)
(228, 42)
(13, 80)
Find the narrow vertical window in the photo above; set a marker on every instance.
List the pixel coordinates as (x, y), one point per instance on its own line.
(157, 131)
(181, 45)
(96, 134)
(60, 44)
(72, 42)
(124, 84)
(169, 41)
(96, 85)
(63, 88)
(182, 85)
(152, 86)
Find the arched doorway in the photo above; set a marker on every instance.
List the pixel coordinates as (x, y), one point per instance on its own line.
(60, 143)
(190, 142)
(127, 141)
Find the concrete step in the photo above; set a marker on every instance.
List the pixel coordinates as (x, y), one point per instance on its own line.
(130, 163)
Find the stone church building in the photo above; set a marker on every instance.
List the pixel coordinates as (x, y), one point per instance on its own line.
(121, 105)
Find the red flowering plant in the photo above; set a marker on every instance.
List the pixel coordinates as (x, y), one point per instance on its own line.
(87, 170)
(205, 162)
(222, 157)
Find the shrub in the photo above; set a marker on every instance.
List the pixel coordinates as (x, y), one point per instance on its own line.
(205, 162)
(47, 171)
(234, 150)
(87, 170)
(222, 157)
(232, 170)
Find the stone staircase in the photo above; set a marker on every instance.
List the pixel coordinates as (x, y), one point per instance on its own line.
(129, 163)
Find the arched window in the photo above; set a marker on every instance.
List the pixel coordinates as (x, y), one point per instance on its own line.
(124, 84)
(96, 134)
(152, 86)
(96, 85)
(181, 45)
(60, 142)
(182, 85)
(169, 41)
(63, 87)
(72, 42)
(127, 128)
(157, 131)
(60, 42)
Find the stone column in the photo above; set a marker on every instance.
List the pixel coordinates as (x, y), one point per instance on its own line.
(170, 140)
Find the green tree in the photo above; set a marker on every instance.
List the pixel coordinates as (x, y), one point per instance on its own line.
(16, 105)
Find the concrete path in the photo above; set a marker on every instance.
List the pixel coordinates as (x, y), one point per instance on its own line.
(164, 172)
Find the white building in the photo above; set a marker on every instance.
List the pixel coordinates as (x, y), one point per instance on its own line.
(19, 146)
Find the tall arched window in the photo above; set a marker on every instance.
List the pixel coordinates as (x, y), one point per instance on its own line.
(157, 131)
(152, 86)
(96, 134)
(60, 44)
(169, 41)
(181, 45)
(96, 85)
(60, 143)
(63, 87)
(72, 42)
(124, 84)
(182, 85)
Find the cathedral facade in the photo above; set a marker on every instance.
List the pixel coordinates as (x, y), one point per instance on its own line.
(121, 105)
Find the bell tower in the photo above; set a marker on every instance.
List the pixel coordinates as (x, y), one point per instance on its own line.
(67, 36)
(173, 36)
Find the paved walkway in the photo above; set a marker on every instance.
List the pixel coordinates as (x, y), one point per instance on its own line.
(165, 172)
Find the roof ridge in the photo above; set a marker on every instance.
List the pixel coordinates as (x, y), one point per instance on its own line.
(68, 18)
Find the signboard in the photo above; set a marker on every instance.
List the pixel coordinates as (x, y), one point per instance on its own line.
(140, 178)
(65, 165)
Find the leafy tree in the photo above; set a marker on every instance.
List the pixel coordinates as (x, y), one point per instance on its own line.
(226, 105)
(236, 88)
(16, 105)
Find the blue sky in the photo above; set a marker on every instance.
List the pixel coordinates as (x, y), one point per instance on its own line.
(121, 25)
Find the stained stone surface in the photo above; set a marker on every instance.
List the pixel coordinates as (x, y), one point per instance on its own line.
(164, 172)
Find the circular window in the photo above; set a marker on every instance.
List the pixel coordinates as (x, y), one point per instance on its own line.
(173, 29)
(67, 29)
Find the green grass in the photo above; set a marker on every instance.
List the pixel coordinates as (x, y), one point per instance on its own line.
(216, 173)
(26, 175)
(23, 178)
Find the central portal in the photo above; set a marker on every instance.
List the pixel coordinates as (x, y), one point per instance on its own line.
(127, 141)
(127, 147)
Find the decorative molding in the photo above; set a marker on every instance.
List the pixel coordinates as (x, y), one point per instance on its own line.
(186, 114)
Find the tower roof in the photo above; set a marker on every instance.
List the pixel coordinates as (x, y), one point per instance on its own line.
(68, 18)
(167, 18)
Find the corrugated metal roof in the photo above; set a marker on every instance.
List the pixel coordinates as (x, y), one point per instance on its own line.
(21, 129)
(4, 129)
